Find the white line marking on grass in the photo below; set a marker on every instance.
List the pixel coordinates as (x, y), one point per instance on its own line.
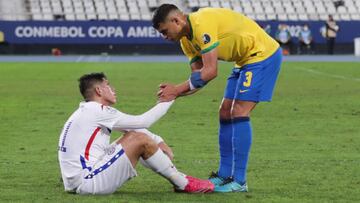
(79, 59)
(329, 75)
(95, 59)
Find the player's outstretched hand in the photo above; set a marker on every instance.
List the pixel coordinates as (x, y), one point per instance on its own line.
(167, 92)
(166, 149)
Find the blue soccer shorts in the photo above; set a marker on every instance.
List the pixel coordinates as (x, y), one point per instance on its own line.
(254, 82)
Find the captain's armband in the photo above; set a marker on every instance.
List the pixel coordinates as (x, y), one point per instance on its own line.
(195, 81)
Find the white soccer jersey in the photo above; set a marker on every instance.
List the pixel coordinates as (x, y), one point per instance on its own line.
(85, 137)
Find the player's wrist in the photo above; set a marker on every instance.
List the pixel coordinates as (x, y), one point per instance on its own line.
(196, 81)
(180, 90)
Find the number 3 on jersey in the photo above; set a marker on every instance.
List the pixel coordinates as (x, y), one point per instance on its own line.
(248, 76)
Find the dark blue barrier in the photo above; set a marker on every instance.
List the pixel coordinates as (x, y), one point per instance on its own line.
(80, 32)
(132, 32)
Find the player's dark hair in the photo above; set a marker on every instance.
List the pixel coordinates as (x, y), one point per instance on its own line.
(87, 82)
(161, 13)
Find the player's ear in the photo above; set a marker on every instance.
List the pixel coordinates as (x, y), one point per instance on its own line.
(97, 90)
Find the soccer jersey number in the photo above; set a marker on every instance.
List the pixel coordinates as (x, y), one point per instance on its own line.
(248, 76)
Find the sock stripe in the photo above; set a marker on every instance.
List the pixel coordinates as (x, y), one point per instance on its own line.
(241, 119)
(225, 121)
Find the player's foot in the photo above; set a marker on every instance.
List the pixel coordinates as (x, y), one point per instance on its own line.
(196, 185)
(216, 179)
(231, 186)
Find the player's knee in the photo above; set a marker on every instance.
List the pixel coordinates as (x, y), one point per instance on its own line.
(242, 108)
(129, 134)
(240, 111)
(127, 138)
(143, 141)
(225, 111)
(149, 144)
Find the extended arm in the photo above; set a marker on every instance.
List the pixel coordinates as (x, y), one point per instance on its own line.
(126, 121)
(203, 71)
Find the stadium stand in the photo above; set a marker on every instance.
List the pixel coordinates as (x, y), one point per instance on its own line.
(16, 10)
(91, 9)
(123, 26)
(293, 10)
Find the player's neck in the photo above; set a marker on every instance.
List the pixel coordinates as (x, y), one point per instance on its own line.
(101, 101)
(187, 28)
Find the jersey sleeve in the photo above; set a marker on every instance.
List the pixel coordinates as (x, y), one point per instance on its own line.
(116, 120)
(206, 32)
(189, 50)
(108, 116)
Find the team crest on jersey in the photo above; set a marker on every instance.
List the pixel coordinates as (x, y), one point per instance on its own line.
(206, 38)
(110, 150)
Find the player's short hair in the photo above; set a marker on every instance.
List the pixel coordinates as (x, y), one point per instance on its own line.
(161, 13)
(87, 82)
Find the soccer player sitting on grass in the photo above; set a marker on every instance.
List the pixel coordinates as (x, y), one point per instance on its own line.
(91, 165)
(213, 34)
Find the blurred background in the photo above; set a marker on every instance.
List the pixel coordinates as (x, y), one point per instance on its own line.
(123, 27)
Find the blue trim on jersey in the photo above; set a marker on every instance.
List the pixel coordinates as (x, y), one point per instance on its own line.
(62, 148)
(106, 165)
(83, 163)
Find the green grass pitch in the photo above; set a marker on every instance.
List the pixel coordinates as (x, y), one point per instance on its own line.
(306, 143)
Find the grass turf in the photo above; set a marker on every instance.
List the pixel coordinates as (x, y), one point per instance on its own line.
(305, 144)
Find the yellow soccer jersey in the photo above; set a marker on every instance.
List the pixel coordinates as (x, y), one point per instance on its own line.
(238, 38)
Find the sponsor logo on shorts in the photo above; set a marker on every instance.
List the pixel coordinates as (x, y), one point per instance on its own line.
(243, 91)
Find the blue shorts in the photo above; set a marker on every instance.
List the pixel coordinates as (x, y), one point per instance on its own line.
(254, 82)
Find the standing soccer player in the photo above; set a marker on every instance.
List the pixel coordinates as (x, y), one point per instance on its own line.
(213, 34)
(91, 165)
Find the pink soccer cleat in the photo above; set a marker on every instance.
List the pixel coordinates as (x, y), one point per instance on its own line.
(196, 185)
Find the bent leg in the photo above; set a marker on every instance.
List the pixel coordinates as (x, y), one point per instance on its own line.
(256, 83)
(226, 128)
(138, 145)
(242, 138)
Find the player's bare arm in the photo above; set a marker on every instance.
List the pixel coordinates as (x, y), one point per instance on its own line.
(205, 70)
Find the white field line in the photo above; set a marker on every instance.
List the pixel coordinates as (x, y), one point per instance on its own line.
(329, 75)
(79, 59)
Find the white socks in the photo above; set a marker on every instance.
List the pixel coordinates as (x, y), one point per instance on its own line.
(142, 161)
(161, 164)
